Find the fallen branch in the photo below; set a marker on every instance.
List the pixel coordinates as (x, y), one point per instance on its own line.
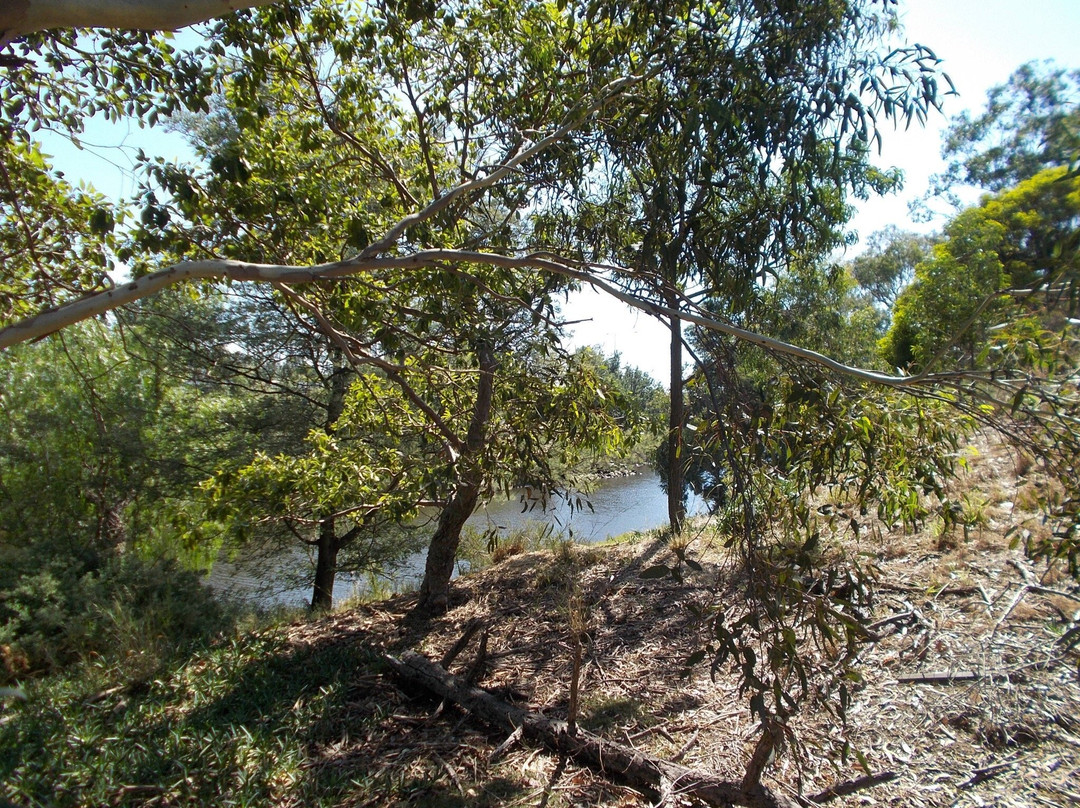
(1045, 590)
(642, 771)
(982, 775)
(851, 786)
(903, 619)
(957, 676)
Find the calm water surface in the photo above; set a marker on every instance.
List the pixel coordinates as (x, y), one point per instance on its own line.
(619, 505)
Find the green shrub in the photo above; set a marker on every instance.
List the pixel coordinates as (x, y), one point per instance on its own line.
(57, 608)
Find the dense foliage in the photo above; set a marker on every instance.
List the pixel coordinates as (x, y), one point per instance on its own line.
(98, 503)
(1022, 243)
(386, 204)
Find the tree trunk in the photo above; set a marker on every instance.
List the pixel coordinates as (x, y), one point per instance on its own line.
(442, 552)
(322, 597)
(676, 494)
(325, 567)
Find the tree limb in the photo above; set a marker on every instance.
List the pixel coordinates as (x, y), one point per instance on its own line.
(21, 17)
(572, 121)
(94, 305)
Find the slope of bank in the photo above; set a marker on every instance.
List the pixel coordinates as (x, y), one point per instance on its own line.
(968, 699)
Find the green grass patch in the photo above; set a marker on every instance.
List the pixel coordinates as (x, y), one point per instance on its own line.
(231, 726)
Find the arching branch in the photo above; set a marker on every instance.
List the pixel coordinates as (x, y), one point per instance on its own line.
(21, 17)
(216, 270)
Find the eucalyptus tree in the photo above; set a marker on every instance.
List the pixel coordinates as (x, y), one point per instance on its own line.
(1030, 123)
(56, 238)
(888, 264)
(737, 152)
(323, 141)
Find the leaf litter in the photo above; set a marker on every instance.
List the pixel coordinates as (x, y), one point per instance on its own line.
(968, 698)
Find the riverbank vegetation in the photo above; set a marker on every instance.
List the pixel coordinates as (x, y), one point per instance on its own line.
(968, 691)
(344, 308)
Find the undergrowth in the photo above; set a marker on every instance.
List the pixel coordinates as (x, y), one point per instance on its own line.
(231, 725)
(61, 608)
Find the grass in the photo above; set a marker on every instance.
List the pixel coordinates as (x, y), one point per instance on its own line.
(230, 726)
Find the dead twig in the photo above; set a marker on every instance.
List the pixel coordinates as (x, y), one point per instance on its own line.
(502, 748)
(449, 770)
(686, 747)
(851, 786)
(908, 618)
(1012, 605)
(477, 666)
(987, 773)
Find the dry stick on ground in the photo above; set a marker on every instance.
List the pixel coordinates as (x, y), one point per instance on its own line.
(946, 678)
(1012, 605)
(851, 786)
(613, 759)
(471, 628)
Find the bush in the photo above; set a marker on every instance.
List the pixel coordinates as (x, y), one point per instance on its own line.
(57, 608)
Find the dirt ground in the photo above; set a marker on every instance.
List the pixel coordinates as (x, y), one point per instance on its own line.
(968, 701)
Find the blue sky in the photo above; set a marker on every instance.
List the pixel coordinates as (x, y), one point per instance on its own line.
(981, 42)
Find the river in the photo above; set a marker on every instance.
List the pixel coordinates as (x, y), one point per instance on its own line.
(618, 505)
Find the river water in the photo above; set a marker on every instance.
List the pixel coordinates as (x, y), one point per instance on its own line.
(618, 505)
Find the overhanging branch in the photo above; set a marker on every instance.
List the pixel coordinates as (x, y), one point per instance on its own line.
(572, 121)
(217, 270)
(21, 17)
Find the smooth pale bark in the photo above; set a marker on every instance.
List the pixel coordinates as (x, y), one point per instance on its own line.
(93, 305)
(442, 552)
(20, 17)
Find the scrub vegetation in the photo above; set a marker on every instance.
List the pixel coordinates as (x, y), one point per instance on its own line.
(342, 311)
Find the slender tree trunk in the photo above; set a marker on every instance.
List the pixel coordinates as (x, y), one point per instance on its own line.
(325, 567)
(322, 596)
(676, 414)
(442, 552)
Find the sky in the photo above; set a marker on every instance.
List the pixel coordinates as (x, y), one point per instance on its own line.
(980, 42)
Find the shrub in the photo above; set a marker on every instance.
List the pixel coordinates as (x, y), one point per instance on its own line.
(58, 607)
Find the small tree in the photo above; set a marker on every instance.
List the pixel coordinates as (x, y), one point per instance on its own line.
(1021, 241)
(888, 265)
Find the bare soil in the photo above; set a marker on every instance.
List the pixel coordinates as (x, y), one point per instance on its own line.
(1003, 730)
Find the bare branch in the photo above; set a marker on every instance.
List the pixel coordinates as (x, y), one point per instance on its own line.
(103, 302)
(20, 17)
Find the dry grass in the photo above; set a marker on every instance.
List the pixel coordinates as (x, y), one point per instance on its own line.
(1007, 736)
